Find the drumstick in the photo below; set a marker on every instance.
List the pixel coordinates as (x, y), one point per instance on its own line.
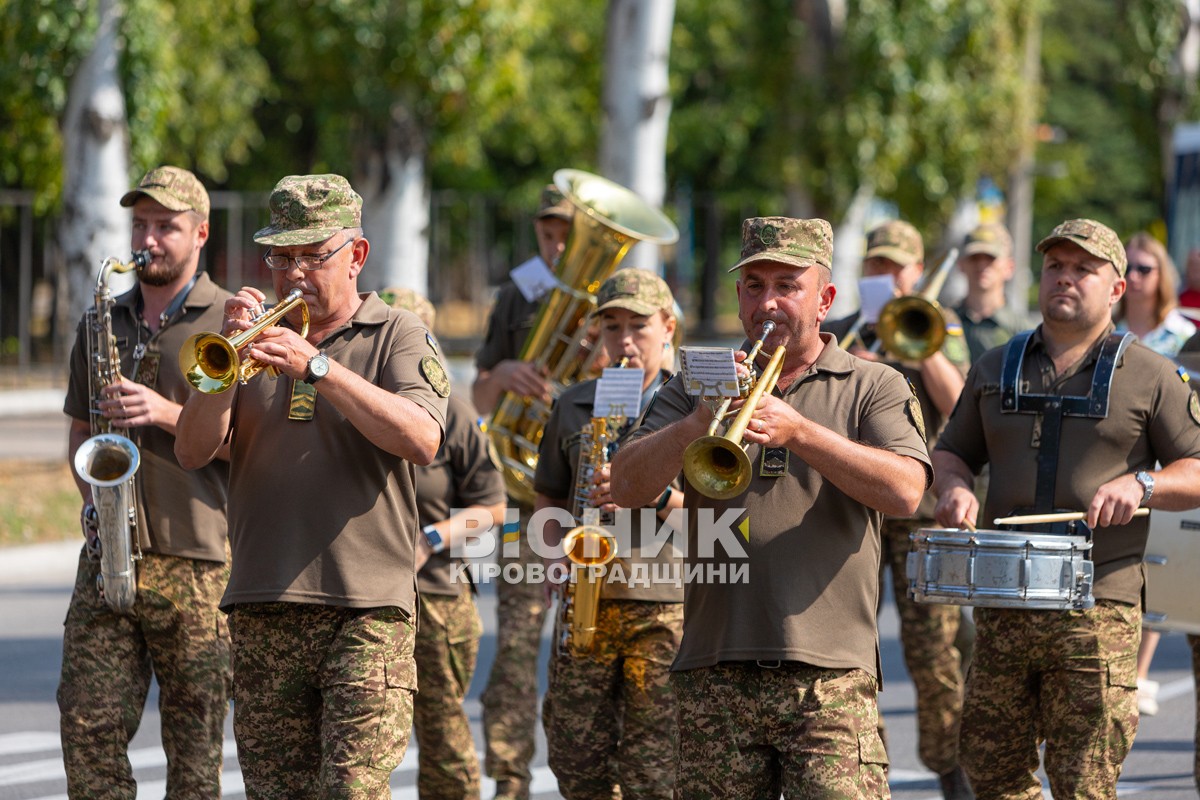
(966, 523)
(1066, 516)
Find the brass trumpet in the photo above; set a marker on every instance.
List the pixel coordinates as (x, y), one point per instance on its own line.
(717, 466)
(211, 363)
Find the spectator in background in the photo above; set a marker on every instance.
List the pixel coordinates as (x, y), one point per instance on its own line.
(1190, 298)
(1149, 307)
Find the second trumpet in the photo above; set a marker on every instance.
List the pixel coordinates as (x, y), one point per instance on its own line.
(211, 362)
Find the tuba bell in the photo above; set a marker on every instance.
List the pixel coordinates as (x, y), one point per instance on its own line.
(211, 363)
(717, 465)
(609, 220)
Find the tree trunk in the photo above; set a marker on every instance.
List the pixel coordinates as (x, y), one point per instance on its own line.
(824, 21)
(94, 226)
(396, 200)
(637, 106)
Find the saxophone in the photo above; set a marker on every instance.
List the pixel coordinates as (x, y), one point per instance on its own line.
(590, 546)
(107, 461)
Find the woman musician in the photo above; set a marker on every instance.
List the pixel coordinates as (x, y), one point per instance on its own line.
(609, 712)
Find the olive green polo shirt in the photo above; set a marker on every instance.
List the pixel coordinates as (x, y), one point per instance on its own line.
(987, 332)
(812, 552)
(461, 475)
(954, 348)
(558, 462)
(1148, 421)
(509, 325)
(317, 513)
(180, 512)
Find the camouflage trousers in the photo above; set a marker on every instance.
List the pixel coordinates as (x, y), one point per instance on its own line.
(750, 731)
(510, 701)
(610, 715)
(1068, 678)
(175, 633)
(448, 632)
(323, 699)
(927, 634)
(1195, 643)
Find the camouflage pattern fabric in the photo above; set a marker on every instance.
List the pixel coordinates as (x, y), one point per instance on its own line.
(323, 699)
(927, 634)
(1098, 239)
(171, 187)
(896, 240)
(510, 701)
(174, 632)
(1194, 641)
(306, 209)
(636, 290)
(447, 643)
(1068, 678)
(750, 731)
(799, 242)
(613, 712)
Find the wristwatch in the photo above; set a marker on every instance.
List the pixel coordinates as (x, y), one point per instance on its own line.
(1147, 481)
(436, 543)
(318, 367)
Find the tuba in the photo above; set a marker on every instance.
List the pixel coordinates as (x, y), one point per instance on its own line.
(108, 461)
(211, 363)
(590, 547)
(609, 220)
(717, 466)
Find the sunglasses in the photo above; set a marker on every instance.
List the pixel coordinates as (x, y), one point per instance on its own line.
(1142, 269)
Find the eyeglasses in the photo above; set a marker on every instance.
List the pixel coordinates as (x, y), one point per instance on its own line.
(1142, 269)
(305, 263)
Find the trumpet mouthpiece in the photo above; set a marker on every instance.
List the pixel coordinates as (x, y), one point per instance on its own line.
(767, 327)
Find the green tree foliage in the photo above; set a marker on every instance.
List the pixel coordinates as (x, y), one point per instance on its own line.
(191, 75)
(1105, 94)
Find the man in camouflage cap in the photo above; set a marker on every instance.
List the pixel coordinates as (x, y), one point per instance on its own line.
(987, 262)
(173, 630)
(322, 595)
(928, 632)
(805, 534)
(609, 711)
(1071, 416)
(510, 701)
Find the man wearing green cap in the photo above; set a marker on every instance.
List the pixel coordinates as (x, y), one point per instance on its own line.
(510, 701)
(322, 514)
(174, 630)
(609, 711)
(1072, 417)
(777, 674)
(987, 263)
(928, 632)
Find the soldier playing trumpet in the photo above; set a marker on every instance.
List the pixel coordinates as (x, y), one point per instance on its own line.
(609, 711)
(776, 676)
(173, 629)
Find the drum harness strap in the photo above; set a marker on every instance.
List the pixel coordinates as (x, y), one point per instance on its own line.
(1054, 407)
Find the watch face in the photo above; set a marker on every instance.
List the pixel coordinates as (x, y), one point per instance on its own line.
(319, 366)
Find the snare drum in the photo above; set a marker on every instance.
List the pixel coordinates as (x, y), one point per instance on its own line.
(1172, 567)
(1000, 569)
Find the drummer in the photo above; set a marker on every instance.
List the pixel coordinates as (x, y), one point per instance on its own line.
(1072, 417)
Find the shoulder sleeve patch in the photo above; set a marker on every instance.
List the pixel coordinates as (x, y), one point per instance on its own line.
(1183, 374)
(1194, 407)
(915, 416)
(435, 375)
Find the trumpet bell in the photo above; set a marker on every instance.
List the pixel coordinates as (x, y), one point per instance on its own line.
(717, 467)
(209, 362)
(912, 328)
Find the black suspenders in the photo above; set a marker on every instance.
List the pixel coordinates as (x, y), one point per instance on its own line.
(1054, 407)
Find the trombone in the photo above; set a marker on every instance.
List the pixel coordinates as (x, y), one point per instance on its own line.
(211, 363)
(911, 327)
(717, 466)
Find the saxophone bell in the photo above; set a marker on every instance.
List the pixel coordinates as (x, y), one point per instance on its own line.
(108, 462)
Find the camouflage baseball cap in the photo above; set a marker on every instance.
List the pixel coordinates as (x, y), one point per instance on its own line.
(175, 188)
(306, 209)
(637, 290)
(897, 240)
(799, 242)
(991, 239)
(409, 300)
(554, 204)
(1099, 240)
